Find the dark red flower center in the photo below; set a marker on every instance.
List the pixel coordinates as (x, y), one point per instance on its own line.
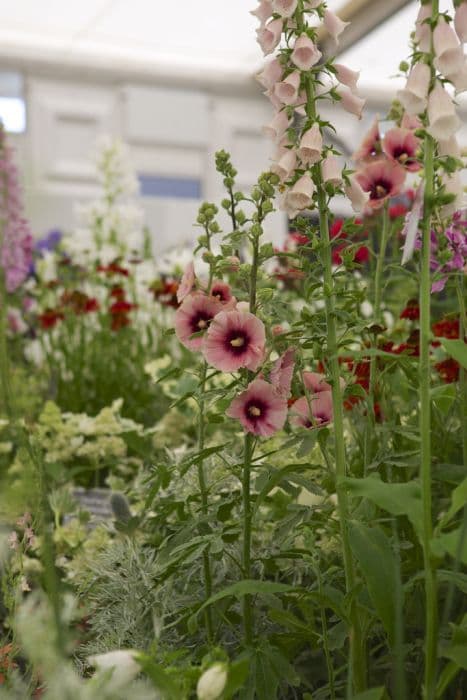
(255, 409)
(237, 342)
(380, 189)
(200, 321)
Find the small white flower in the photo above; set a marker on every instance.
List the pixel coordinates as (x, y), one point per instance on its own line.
(212, 683)
(122, 661)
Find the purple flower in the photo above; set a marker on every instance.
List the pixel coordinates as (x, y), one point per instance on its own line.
(448, 250)
(16, 241)
(49, 242)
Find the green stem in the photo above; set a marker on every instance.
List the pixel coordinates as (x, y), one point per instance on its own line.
(462, 371)
(324, 625)
(431, 615)
(357, 666)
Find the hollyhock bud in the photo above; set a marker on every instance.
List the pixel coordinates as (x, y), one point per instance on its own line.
(331, 170)
(269, 36)
(271, 73)
(311, 145)
(346, 76)
(460, 22)
(334, 25)
(358, 197)
(212, 683)
(422, 29)
(284, 8)
(449, 55)
(277, 128)
(414, 96)
(305, 54)
(301, 195)
(287, 90)
(350, 102)
(286, 165)
(263, 11)
(443, 121)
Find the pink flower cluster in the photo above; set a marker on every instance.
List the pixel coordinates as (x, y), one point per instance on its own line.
(15, 234)
(231, 338)
(284, 79)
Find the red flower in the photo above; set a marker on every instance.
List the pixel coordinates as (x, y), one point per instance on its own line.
(447, 328)
(397, 210)
(165, 292)
(117, 292)
(50, 317)
(113, 269)
(362, 255)
(411, 311)
(448, 370)
(121, 307)
(91, 305)
(411, 347)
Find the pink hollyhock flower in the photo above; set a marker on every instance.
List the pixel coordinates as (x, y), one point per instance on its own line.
(443, 121)
(287, 90)
(460, 21)
(286, 165)
(260, 409)
(382, 179)
(194, 315)
(332, 170)
(301, 194)
(235, 339)
(422, 29)
(402, 145)
(311, 145)
(334, 25)
(314, 412)
(269, 36)
(277, 128)
(271, 73)
(186, 283)
(242, 306)
(305, 54)
(350, 102)
(449, 54)
(263, 11)
(358, 197)
(346, 76)
(370, 147)
(415, 94)
(282, 372)
(316, 382)
(221, 291)
(284, 8)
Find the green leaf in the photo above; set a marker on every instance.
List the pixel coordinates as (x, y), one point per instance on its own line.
(455, 577)
(374, 554)
(456, 349)
(372, 694)
(274, 478)
(159, 677)
(238, 673)
(248, 587)
(457, 649)
(443, 397)
(453, 543)
(397, 499)
(458, 501)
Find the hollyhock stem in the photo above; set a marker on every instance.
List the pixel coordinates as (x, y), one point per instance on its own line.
(378, 289)
(357, 666)
(431, 612)
(248, 623)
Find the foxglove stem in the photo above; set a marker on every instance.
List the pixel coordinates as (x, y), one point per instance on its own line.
(357, 666)
(462, 371)
(431, 602)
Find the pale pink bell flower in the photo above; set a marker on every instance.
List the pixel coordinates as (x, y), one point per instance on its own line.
(415, 94)
(453, 186)
(422, 29)
(410, 121)
(358, 197)
(260, 409)
(284, 8)
(331, 170)
(305, 54)
(460, 22)
(301, 194)
(347, 76)
(287, 89)
(449, 54)
(285, 166)
(443, 121)
(186, 283)
(194, 315)
(334, 25)
(311, 145)
(449, 147)
(269, 36)
(459, 79)
(235, 339)
(277, 127)
(350, 102)
(274, 100)
(263, 11)
(271, 73)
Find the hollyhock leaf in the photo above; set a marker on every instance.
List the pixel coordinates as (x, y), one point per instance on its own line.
(397, 499)
(448, 543)
(443, 397)
(374, 554)
(372, 694)
(248, 587)
(237, 675)
(456, 349)
(458, 501)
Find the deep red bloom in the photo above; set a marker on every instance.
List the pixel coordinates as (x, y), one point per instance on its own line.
(411, 311)
(362, 255)
(117, 292)
(448, 370)
(298, 238)
(336, 228)
(165, 292)
(50, 317)
(121, 307)
(397, 210)
(113, 269)
(91, 305)
(447, 328)
(411, 347)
